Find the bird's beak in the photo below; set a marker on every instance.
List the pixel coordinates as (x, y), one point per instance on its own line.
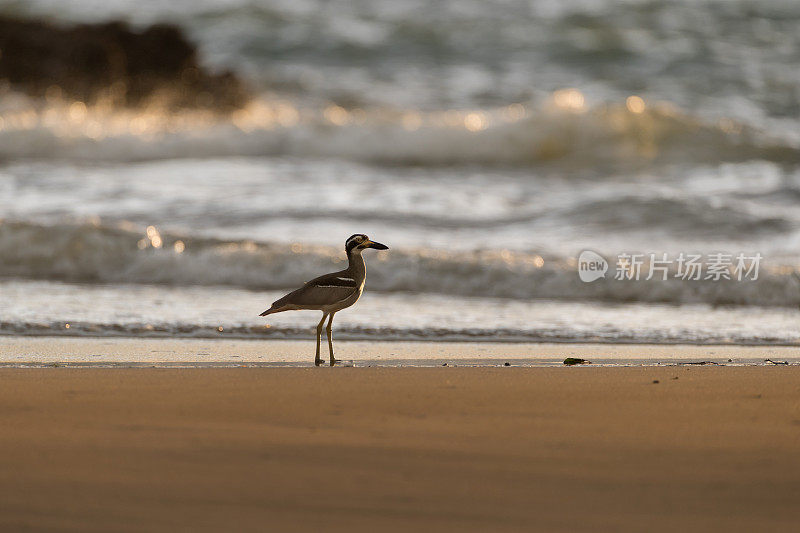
(377, 245)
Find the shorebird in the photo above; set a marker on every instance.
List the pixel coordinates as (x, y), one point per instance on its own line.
(332, 292)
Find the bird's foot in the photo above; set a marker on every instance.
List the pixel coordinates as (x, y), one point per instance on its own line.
(335, 361)
(318, 362)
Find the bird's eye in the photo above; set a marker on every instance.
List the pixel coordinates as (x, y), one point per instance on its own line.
(359, 239)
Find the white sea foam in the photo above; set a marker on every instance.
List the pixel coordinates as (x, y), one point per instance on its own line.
(47, 308)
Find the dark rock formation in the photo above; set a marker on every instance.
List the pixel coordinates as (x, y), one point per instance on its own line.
(112, 62)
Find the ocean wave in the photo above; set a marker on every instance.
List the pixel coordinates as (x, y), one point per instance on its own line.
(92, 253)
(706, 54)
(560, 132)
(673, 215)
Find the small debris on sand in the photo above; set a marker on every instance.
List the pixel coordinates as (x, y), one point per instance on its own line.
(569, 361)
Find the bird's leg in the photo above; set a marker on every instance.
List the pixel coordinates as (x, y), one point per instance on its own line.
(317, 360)
(330, 339)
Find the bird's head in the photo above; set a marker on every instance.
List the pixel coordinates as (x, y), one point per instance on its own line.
(359, 242)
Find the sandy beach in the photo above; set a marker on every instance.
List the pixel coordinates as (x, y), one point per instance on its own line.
(389, 449)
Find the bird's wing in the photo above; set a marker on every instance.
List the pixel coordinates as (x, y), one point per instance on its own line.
(324, 290)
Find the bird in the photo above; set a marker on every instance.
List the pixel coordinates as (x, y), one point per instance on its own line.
(332, 292)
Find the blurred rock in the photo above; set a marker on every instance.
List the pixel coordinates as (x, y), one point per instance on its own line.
(112, 63)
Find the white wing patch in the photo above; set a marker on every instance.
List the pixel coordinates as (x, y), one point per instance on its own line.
(346, 282)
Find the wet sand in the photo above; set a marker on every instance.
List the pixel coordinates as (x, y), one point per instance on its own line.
(392, 449)
(125, 351)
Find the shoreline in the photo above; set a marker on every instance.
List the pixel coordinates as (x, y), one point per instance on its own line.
(25, 351)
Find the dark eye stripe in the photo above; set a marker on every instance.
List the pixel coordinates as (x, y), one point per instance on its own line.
(355, 240)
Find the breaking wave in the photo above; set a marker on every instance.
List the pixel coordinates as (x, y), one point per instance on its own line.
(99, 254)
(549, 133)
